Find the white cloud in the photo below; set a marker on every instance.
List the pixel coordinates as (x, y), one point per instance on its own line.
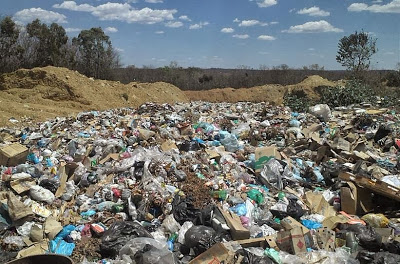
(313, 11)
(72, 5)
(389, 53)
(73, 30)
(274, 23)
(27, 15)
(236, 20)
(266, 3)
(264, 52)
(266, 37)
(244, 36)
(311, 49)
(110, 30)
(174, 24)
(252, 22)
(227, 30)
(119, 49)
(313, 27)
(377, 1)
(199, 25)
(392, 7)
(185, 18)
(154, 1)
(121, 12)
(159, 32)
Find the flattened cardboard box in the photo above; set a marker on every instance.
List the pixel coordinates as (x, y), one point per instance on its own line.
(217, 254)
(263, 155)
(326, 239)
(292, 241)
(13, 154)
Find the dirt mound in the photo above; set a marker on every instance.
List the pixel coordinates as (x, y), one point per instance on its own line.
(48, 92)
(309, 84)
(269, 93)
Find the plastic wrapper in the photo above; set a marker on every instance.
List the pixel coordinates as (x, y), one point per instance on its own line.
(69, 191)
(118, 235)
(271, 174)
(239, 209)
(241, 131)
(14, 240)
(376, 220)
(367, 237)
(25, 229)
(41, 194)
(256, 196)
(311, 224)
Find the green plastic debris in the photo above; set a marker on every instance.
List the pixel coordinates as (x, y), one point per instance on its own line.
(256, 196)
(273, 254)
(281, 195)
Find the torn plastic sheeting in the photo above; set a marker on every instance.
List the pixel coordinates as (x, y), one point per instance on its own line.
(271, 174)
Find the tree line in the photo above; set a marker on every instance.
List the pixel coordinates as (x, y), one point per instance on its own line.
(38, 44)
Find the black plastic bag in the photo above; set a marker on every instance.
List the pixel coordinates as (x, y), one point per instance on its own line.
(386, 258)
(200, 238)
(189, 146)
(392, 247)
(294, 209)
(250, 258)
(367, 237)
(50, 184)
(184, 210)
(118, 235)
(152, 255)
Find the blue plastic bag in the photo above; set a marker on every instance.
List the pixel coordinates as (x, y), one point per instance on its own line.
(311, 224)
(239, 209)
(59, 246)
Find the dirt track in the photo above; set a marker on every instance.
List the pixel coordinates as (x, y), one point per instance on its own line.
(48, 92)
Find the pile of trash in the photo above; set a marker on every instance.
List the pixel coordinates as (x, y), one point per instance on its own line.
(204, 183)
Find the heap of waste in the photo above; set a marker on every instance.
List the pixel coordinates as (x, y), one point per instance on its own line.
(204, 183)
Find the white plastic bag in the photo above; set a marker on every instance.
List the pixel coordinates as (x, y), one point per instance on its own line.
(41, 194)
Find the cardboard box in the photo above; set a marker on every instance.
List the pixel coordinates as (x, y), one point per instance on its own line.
(289, 223)
(13, 154)
(292, 241)
(216, 254)
(264, 242)
(332, 222)
(355, 200)
(326, 239)
(238, 231)
(263, 155)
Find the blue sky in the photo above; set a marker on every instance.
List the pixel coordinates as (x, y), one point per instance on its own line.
(225, 33)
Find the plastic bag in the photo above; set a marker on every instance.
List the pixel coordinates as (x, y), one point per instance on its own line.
(200, 238)
(273, 254)
(376, 220)
(181, 235)
(239, 209)
(61, 247)
(14, 240)
(146, 251)
(171, 225)
(321, 111)
(367, 237)
(41, 194)
(254, 256)
(311, 224)
(69, 191)
(118, 235)
(271, 174)
(386, 258)
(256, 196)
(229, 141)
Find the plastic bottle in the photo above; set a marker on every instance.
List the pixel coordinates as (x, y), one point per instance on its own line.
(171, 241)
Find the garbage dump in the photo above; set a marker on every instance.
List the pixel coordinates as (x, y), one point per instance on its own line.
(204, 183)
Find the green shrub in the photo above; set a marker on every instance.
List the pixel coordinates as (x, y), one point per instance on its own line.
(354, 92)
(297, 101)
(393, 79)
